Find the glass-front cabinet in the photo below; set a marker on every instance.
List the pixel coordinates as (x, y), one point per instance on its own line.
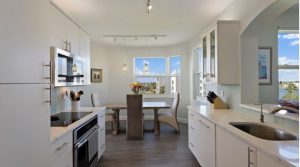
(221, 54)
(212, 60)
(209, 56)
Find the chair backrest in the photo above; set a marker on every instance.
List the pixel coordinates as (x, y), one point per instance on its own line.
(134, 128)
(95, 97)
(175, 103)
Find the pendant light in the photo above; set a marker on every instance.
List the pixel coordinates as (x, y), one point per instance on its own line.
(146, 65)
(148, 6)
(125, 68)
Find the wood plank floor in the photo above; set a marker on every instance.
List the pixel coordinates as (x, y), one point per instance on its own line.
(167, 150)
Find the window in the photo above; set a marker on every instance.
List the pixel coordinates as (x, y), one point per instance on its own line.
(158, 75)
(288, 64)
(199, 68)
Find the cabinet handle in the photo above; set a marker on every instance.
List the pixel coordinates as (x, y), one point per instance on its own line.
(48, 89)
(62, 147)
(192, 115)
(203, 124)
(191, 144)
(50, 68)
(249, 161)
(192, 127)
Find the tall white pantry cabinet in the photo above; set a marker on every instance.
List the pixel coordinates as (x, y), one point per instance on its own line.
(24, 50)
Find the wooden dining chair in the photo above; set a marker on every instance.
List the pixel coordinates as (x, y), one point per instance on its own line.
(135, 117)
(109, 117)
(170, 117)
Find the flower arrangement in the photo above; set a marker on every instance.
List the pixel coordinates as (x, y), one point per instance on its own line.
(74, 96)
(135, 87)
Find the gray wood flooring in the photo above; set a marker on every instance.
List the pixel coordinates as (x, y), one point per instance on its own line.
(167, 150)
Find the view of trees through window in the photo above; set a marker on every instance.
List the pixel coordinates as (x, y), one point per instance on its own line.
(158, 75)
(288, 64)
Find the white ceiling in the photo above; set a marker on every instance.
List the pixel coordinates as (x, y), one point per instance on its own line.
(180, 20)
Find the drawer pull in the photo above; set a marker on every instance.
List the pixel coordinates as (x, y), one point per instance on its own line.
(203, 124)
(62, 147)
(191, 144)
(192, 127)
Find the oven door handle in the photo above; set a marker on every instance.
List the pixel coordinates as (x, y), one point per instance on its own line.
(78, 145)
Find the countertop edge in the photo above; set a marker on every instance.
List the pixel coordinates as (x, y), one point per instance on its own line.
(58, 132)
(245, 137)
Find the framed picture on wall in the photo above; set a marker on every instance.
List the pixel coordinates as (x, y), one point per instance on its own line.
(96, 75)
(265, 65)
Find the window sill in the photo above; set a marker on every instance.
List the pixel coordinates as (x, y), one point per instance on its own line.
(158, 96)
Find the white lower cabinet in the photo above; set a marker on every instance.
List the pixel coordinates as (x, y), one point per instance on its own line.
(231, 151)
(202, 140)
(265, 161)
(101, 133)
(62, 151)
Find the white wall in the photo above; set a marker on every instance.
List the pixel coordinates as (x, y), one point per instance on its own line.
(264, 28)
(246, 12)
(115, 84)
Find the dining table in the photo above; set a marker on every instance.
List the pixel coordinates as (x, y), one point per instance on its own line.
(155, 106)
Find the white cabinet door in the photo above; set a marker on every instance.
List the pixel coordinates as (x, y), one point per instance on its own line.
(24, 126)
(231, 151)
(85, 52)
(101, 133)
(24, 43)
(205, 142)
(202, 139)
(192, 133)
(265, 161)
(62, 151)
(62, 29)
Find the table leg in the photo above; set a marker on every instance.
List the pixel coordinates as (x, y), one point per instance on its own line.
(156, 123)
(117, 121)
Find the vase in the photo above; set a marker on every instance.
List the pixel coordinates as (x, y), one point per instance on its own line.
(135, 91)
(75, 105)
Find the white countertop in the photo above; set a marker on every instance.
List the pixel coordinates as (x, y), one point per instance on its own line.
(57, 132)
(286, 152)
(267, 107)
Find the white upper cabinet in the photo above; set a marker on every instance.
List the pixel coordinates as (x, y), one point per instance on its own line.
(221, 53)
(85, 52)
(63, 30)
(24, 43)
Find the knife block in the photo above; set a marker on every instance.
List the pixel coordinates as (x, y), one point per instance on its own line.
(219, 104)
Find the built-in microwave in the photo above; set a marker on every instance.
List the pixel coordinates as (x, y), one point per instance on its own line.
(67, 69)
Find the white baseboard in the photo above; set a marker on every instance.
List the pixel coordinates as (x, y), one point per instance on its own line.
(181, 120)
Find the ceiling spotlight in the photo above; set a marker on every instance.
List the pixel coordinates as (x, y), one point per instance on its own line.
(149, 6)
(155, 37)
(114, 39)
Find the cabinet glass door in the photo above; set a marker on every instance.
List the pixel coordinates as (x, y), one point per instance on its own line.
(212, 54)
(204, 62)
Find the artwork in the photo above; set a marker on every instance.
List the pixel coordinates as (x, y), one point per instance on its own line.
(265, 65)
(96, 75)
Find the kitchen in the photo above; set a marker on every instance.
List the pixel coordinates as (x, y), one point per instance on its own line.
(30, 28)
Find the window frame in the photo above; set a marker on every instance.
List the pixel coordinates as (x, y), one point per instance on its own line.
(285, 66)
(167, 76)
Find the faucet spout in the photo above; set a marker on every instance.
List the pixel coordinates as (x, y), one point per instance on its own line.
(262, 118)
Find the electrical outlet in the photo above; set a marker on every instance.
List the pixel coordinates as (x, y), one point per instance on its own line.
(222, 93)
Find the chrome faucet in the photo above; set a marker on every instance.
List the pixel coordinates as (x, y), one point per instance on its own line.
(262, 119)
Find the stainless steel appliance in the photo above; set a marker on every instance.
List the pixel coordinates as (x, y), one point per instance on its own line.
(67, 69)
(86, 144)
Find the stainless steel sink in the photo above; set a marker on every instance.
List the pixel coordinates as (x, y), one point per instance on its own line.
(263, 131)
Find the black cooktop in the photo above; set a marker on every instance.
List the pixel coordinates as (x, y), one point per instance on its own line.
(66, 118)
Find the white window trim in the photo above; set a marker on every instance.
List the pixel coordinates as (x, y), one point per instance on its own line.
(167, 75)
